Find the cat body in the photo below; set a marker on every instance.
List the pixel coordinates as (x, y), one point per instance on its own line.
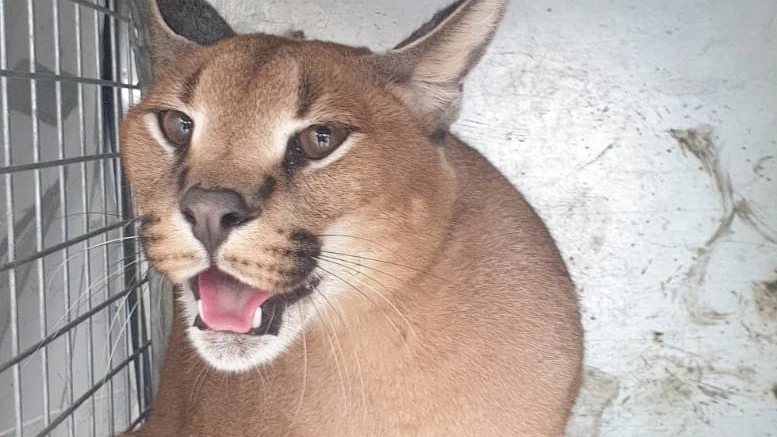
(345, 265)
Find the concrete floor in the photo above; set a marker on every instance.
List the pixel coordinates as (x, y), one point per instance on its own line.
(645, 133)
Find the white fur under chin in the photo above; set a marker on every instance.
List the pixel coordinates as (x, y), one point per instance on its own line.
(236, 353)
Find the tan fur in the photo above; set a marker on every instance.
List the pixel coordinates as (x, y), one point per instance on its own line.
(446, 308)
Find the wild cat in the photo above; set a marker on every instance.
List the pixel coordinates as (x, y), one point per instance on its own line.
(345, 265)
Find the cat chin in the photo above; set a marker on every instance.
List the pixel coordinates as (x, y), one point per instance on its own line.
(236, 353)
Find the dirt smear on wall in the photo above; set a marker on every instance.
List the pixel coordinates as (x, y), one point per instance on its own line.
(699, 143)
(598, 392)
(765, 295)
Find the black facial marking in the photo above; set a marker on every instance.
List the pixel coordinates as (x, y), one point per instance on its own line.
(271, 318)
(147, 220)
(295, 158)
(307, 94)
(144, 223)
(305, 248)
(181, 180)
(194, 285)
(195, 20)
(199, 324)
(265, 191)
(439, 137)
(276, 306)
(190, 86)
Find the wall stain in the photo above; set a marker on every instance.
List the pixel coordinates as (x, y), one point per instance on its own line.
(685, 385)
(760, 167)
(598, 157)
(756, 333)
(765, 296)
(699, 143)
(598, 392)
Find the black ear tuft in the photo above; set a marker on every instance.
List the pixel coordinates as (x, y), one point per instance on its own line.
(195, 20)
(177, 27)
(430, 25)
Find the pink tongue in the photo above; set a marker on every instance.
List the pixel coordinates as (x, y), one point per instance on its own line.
(228, 304)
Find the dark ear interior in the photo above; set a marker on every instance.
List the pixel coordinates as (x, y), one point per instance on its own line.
(176, 27)
(195, 20)
(430, 25)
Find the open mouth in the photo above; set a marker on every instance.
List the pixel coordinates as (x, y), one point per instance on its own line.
(227, 305)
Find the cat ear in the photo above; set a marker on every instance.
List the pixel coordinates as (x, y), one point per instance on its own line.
(429, 67)
(177, 27)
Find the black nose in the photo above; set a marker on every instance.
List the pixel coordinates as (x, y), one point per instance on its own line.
(213, 214)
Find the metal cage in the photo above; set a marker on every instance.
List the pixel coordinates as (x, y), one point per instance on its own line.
(75, 343)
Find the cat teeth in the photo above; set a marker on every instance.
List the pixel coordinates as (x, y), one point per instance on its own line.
(199, 308)
(257, 318)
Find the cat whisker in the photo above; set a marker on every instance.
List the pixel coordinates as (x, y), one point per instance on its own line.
(304, 377)
(338, 313)
(130, 221)
(357, 237)
(109, 360)
(199, 382)
(114, 319)
(354, 264)
(351, 265)
(83, 252)
(361, 277)
(121, 335)
(87, 292)
(374, 304)
(258, 371)
(360, 370)
(424, 272)
(55, 330)
(335, 347)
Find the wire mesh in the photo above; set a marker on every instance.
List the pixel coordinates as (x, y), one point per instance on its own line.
(75, 350)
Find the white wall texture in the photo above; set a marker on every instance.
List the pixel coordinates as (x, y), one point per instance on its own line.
(645, 134)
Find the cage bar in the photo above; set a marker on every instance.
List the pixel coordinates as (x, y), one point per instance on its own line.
(76, 356)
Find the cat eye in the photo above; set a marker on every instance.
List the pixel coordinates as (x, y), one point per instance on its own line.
(319, 140)
(177, 127)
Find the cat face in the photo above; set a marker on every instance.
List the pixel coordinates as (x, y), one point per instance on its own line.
(278, 179)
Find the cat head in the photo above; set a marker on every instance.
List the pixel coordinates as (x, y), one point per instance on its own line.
(277, 179)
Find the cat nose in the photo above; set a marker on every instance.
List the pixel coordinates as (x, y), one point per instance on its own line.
(213, 214)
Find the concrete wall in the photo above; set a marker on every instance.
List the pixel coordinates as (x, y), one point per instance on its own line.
(645, 134)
